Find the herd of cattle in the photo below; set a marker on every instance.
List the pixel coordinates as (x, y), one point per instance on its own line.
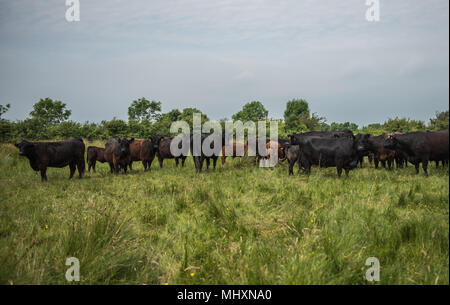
(340, 149)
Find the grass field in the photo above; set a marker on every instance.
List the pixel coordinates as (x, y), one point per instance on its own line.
(238, 225)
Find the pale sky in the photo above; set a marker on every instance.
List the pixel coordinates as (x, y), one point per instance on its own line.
(218, 55)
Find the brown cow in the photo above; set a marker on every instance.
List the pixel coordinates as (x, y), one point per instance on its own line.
(142, 150)
(280, 147)
(94, 154)
(117, 154)
(236, 146)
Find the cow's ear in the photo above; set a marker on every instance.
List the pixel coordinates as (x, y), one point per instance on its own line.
(131, 140)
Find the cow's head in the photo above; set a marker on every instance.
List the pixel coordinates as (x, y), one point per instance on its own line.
(124, 146)
(156, 140)
(390, 141)
(361, 142)
(25, 148)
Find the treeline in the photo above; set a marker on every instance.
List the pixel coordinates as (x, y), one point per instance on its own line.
(50, 120)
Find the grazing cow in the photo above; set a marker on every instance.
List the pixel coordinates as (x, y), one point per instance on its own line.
(142, 150)
(292, 153)
(94, 154)
(343, 153)
(421, 147)
(54, 154)
(236, 146)
(117, 154)
(162, 149)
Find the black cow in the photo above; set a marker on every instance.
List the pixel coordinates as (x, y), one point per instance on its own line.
(54, 154)
(343, 153)
(198, 160)
(94, 154)
(380, 152)
(421, 147)
(117, 154)
(292, 153)
(296, 138)
(162, 149)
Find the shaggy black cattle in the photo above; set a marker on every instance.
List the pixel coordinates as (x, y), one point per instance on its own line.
(162, 149)
(342, 153)
(292, 153)
(94, 154)
(54, 154)
(421, 147)
(296, 138)
(117, 154)
(199, 154)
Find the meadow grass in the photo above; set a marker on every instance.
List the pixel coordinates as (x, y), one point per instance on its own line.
(239, 224)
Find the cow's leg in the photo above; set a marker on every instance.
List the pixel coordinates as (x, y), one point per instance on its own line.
(214, 162)
(111, 167)
(339, 171)
(389, 162)
(144, 163)
(308, 168)
(89, 166)
(183, 159)
(291, 167)
(417, 164)
(81, 168)
(223, 159)
(93, 166)
(346, 172)
(116, 167)
(207, 163)
(425, 166)
(176, 162)
(160, 160)
(43, 170)
(201, 162)
(72, 167)
(437, 163)
(375, 162)
(197, 164)
(130, 165)
(149, 162)
(383, 163)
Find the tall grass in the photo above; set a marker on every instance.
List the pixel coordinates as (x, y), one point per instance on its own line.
(236, 225)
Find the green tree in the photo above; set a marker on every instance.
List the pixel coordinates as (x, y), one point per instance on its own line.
(187, 115)
(115, 128)
(143, 109)
(296, 109)
(253, 111)
(50, 112)
(403, 124)
(4, 109)
(440, 122)
(342, 126)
